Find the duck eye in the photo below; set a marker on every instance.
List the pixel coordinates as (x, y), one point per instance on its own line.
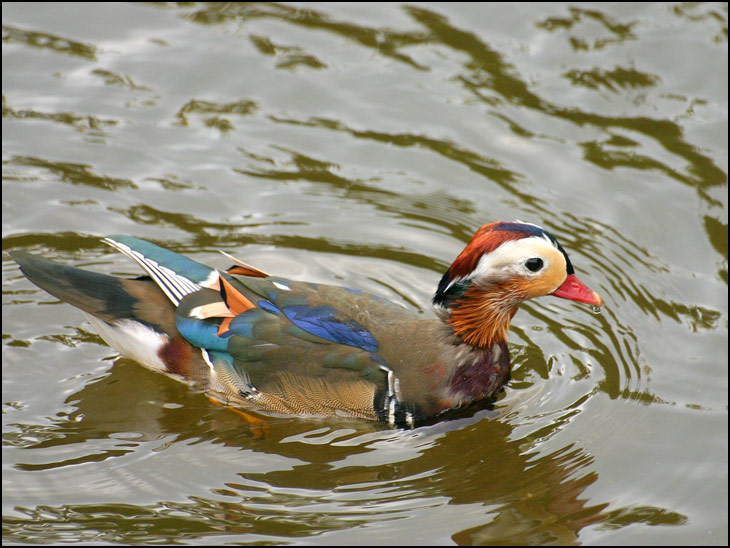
(534, 264)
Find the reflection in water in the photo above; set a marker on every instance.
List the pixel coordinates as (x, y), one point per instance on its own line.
(143, 444)
(493, 80)
(519, 495)
(43, 40)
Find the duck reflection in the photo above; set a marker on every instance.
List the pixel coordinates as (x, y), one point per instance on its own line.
(304, 477)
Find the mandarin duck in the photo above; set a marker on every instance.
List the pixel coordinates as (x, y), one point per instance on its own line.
(286, 347)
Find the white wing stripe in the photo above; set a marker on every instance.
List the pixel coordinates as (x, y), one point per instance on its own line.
(164, 279)
(181, 284)
(172, 284)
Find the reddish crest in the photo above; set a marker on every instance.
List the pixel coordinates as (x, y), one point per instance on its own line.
(485, 240)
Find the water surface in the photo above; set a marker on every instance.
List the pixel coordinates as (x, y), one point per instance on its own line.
(362, 145)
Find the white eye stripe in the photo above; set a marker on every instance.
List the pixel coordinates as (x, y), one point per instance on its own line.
(510, 257)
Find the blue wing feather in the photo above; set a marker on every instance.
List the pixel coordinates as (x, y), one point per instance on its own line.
(322, 322)
(276, 298)
(268, 307)
(201, 333)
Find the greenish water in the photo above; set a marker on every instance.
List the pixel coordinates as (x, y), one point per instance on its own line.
(362, 144)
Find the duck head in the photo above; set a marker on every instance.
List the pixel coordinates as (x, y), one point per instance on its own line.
(504, 264)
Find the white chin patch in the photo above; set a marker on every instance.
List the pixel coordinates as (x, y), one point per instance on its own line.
(133, 340)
